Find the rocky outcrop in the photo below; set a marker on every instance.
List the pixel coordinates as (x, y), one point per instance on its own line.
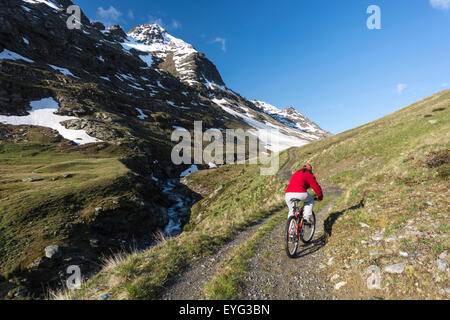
(94, 128)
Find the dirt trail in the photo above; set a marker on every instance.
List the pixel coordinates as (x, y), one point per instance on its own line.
(272, 275)
(189, 285)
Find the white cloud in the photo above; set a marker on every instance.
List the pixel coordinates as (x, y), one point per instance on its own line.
(172, 26)
(445, 85)
(401, 87)
(158, 21)
(175, 24)
(440, 4)
(130, 14)
(109, 16)
(222, 41)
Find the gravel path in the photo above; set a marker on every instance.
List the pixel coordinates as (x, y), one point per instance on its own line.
(189, 285)
(273, 275)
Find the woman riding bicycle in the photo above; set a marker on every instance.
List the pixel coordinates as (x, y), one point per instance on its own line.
(297, 191)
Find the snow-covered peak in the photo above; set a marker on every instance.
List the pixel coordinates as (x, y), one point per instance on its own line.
(157, 38)
(149, 33)
(292, 118)
(266, 106)
(182, 59)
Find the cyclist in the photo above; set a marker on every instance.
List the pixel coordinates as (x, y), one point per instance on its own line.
(301, 181)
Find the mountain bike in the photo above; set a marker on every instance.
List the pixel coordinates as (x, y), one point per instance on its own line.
(299, 229)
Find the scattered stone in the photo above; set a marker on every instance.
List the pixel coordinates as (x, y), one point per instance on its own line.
(66, 176)
(447, 290)
(442, 264)
(395, 268)
(340, 285)
(373, 253)
(32, 179)
(432, 121)
(21, 293)
(94, 243)
(330, 262)
(335, 277)
(377, 237)
(100, 209)
(403, 254)
(105, 296)
(364, 225)
(53, 251)
(97, 289)
(443, 255)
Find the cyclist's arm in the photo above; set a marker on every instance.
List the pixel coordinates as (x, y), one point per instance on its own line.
(316, 187)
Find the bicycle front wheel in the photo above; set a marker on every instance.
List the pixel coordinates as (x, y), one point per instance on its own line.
(308, 230)
(291, 237)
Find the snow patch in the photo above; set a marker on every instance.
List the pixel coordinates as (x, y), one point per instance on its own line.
(64, 71)
(43, 114)
(47, 2)
(189, 171)
(141, 116)
(9, 55)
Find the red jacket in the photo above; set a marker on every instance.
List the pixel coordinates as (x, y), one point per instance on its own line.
(302, 181)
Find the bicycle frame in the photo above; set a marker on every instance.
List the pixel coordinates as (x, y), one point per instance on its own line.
(299, 217)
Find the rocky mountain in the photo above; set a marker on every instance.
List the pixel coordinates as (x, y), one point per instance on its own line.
(86, 117)
(292, 118)
(177, 57)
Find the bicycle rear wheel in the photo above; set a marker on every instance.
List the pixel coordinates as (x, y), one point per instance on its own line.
(308, 230)
(291, 237)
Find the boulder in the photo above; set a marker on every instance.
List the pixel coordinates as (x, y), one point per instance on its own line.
(395, 268)
(53, 251)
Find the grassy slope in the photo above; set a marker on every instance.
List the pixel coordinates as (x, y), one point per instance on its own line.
(392, 190)
(379, 165)
(36, 214)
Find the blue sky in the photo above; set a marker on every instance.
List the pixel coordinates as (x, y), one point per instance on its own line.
(317, 56)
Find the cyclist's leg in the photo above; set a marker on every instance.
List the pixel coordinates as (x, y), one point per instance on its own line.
(309, 206)
(291, 204)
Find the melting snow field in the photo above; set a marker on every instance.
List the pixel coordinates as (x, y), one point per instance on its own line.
(43, 115)
(9, 55)
(47, 2)
(273, 139)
